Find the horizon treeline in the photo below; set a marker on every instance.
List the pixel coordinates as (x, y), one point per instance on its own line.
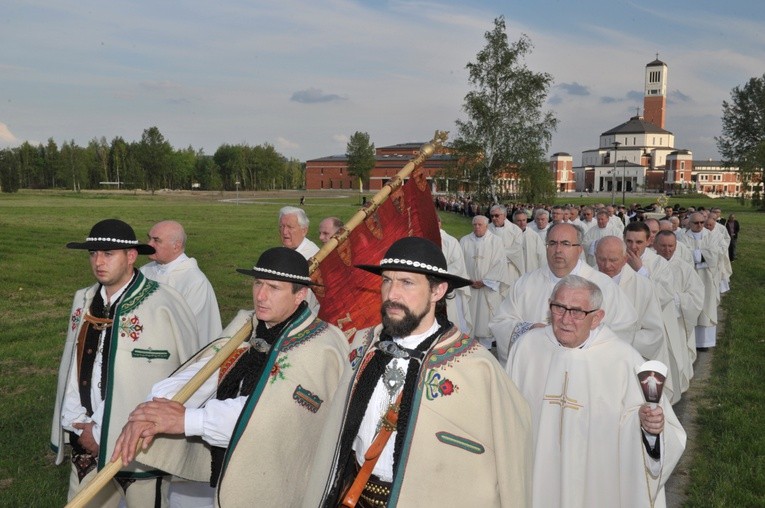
(149, 164)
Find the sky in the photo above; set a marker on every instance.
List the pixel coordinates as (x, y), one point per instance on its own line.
(304, 75)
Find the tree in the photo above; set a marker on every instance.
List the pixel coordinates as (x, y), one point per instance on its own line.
(118, 161)
(506, 127)
(742, 142)
(9, 171)
(361, 157)
(155, 157)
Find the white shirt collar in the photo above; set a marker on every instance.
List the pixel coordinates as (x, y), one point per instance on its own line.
(412, 341)
(169, 267)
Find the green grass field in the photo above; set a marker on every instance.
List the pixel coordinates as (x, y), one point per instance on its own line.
(38, 277)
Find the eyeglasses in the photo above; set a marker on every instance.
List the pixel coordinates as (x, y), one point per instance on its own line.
(564, 244)
(698, 222)
(495, 215)
(577, 314)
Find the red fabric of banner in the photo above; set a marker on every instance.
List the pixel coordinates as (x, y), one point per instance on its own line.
(350, 297)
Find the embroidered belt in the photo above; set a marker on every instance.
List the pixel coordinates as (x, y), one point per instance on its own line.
(376, 493)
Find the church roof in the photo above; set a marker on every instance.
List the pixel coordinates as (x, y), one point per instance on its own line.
(655, 63)
(636, 125)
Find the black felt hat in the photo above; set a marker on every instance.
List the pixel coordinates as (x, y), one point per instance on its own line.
(111, 234)
(281, 263)
(418, 255)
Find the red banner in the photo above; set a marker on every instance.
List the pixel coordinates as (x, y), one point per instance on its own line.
(350, 297)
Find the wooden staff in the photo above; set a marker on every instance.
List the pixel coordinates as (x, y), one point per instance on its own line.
(112, 468)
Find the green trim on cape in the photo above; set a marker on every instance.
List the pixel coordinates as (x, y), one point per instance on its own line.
(252, 400)
(133, 298)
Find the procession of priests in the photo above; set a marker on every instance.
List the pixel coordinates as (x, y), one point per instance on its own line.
(534, 362)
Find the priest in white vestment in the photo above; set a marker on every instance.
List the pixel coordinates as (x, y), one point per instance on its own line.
(602, 229)
(458, 307)
(587, 220)
(722, 240)
(614, 219)
(596, 442)
(511, 236)
(534, 254)
(650, 338)
(706, 257)
(293, 228)
(541, 222)
(682, 252)
(525, 305)
(688, 300)
(170, 265)
(487, 269)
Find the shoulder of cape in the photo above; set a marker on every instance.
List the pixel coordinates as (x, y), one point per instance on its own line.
(141, 290)
(454, 346)
(315, 328)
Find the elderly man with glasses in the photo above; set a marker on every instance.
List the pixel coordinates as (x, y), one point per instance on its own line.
(525, 305)
(597, 442)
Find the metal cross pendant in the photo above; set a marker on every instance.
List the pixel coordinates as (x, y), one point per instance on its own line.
(393, 379)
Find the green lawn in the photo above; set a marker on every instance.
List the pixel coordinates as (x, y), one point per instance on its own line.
(38, 277)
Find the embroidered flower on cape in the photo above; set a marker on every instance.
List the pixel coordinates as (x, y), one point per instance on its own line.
(355, 356)
(76, 318)
(438, 386)
(130, 328)
(277, 371)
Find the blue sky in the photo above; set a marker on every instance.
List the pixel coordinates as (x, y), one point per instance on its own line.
(304, 75)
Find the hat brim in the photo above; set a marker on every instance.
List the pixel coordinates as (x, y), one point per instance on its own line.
(455, 281)
(140, 247)
(258, 274)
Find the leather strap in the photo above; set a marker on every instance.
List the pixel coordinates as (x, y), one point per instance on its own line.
(389, 424)
(87, 344)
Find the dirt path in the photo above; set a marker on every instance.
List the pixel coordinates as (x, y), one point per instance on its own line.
(686, 411)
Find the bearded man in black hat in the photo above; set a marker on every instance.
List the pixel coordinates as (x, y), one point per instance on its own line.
(260, 416)
(125, 333)
(427, 417)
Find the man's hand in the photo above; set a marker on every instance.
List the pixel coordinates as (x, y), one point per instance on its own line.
(86, 439)
(651, 420)
(159, 416)
(127, 442)
(634, 260)
(167, 416)
(477, 284)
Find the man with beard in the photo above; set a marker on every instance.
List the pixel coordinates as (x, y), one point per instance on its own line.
(260, 415)
(428, 417)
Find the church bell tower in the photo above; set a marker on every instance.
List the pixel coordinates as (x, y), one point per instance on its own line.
(655, 96)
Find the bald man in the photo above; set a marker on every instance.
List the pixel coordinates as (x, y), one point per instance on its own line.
(170, 265)
(328, 227)
(649, 338)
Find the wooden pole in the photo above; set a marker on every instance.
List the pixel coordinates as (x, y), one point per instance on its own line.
(112, 468)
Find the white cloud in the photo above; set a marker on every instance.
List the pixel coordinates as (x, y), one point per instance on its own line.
(6, 136)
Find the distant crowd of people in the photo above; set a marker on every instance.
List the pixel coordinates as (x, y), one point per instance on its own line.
(502, 372)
